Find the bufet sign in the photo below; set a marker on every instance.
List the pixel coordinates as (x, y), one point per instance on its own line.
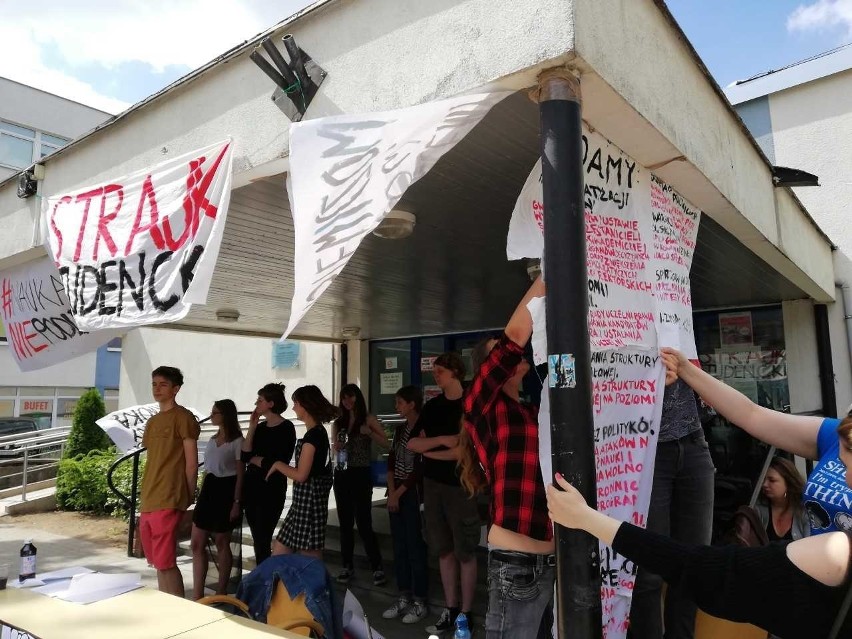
(140, 249)
(40, 327)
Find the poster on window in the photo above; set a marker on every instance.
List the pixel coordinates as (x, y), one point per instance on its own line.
(40, 328)
(140, 249)
(735, 329)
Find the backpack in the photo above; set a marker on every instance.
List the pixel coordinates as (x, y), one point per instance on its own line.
(746, 529)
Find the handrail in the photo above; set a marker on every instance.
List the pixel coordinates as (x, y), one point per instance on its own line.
(130, 501)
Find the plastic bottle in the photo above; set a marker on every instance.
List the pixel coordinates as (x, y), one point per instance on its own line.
(462, 630)
(434, 637)
(28, 560)
(342, 453)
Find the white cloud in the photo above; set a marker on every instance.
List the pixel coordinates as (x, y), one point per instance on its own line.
(822, 15)
(108, 33)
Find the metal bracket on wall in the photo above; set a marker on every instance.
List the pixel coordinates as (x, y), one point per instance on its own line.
(297, 80)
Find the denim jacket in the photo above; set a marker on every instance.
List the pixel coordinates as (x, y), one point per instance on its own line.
(300, 574)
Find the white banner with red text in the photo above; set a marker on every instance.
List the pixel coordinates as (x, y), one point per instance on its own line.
(37, 318)
(140, 249)
(640, 238)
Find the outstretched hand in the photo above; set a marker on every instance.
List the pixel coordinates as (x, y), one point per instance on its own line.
(566, 507)
(674, 361)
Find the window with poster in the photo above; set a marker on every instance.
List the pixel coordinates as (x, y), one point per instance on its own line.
(744, 348)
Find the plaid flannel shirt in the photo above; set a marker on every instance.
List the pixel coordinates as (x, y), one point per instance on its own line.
(505, 435)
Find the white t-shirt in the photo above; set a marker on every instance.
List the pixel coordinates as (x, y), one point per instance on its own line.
(222, 460)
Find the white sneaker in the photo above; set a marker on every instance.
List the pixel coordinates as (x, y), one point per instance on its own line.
(399, 608)
(416, 612)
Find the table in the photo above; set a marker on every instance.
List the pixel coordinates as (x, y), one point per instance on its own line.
(139, 614)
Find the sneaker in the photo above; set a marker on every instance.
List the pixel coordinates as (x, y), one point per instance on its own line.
(445, 623)
(400, 607)
(379, 578)
(416, 613)
(344, 576)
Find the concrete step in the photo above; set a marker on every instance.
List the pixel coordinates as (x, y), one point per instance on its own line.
(37, 501)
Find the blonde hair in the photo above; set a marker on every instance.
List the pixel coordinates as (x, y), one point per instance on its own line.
(471, 476)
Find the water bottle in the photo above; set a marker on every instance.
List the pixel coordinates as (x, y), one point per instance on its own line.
(28, 560)
(342, 453)
(462, 630)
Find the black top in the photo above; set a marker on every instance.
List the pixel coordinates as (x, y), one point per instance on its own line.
(441, 416)
(680, 412)
(773, 536)
(272, 443)
(760, 585)
(318, 438)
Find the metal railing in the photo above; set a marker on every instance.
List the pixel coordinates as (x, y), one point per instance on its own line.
(130, 501)
(43, 448)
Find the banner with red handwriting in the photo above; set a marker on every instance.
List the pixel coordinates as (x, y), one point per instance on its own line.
(39, 325)
(140, 249)
(640, 238)
(348, 171)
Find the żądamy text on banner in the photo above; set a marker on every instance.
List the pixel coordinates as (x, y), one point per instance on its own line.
(348, 171)
(140, 249)
(640, 238)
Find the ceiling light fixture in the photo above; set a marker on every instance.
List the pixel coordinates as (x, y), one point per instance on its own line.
(227, 315)
(397, 224)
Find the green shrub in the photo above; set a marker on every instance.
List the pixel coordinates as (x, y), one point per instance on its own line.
(85, 434)
(81, 483)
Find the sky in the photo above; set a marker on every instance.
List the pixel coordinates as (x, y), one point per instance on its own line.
(110, 54)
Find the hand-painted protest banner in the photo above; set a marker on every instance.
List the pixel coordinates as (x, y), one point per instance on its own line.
(140, 249)
(347, 172)
(37, 317)
(675, 223)
(640, 238)
(126, 426)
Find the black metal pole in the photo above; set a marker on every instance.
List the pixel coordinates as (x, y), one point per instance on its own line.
(571, 416)
(134, 483)
(826, 364)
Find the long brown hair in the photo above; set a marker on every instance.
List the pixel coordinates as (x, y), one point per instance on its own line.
(471, 474)
(792, 479)
(230, 419)
(315, 404)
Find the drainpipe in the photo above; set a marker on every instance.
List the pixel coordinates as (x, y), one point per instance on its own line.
(846, 296)
(824, 360)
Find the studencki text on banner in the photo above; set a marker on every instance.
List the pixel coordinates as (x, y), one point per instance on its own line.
(140, 249)
(348, 171)
(39, 325)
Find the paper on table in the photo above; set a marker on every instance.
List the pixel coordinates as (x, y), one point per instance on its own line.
(65, 573)
(91, 587)
(353, 619)
(29, 583)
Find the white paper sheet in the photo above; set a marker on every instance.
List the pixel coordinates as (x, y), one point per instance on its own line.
(90, 587)
(353, 619)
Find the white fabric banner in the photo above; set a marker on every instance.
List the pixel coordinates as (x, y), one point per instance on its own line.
(40, 328)
(126, 426)
(348, 171)
(140, 249)
(640, 238)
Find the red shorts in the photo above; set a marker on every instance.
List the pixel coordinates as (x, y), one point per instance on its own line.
(158, 533)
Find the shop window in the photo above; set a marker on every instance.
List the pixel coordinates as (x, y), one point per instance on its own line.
(390, 369)
(746, 350)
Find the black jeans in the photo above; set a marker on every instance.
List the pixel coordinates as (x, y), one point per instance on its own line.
(353, 492)
(520, 598)
(409, 549)
(263, 505)
(681, 508)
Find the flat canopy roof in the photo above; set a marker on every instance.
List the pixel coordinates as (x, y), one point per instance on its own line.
(645, 90)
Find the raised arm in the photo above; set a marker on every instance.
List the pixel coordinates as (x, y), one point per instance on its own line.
(796, 434)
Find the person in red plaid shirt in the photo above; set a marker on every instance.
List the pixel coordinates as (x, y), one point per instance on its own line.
(504, 434)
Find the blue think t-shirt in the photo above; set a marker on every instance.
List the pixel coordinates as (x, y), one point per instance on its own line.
(828, 500)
